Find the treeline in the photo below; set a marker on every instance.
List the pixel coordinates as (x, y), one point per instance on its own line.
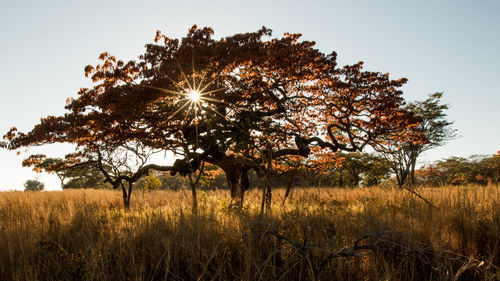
(369, 169)
(354, 170)
(477, 169)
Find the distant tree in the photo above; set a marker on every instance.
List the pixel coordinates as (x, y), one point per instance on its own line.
(430, 175)
(87, 178)
(379, 170)
(456, 170)
(493, 165)
(350, 172)
(356, 169)
(41, 163)
(70, 173)
(434, 130)
(33, 185)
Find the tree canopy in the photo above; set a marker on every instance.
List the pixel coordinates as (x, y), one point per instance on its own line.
(238, 103)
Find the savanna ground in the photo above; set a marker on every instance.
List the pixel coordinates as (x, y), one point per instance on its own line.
(317, 234)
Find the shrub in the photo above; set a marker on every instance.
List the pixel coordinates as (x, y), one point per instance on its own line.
(33, 185)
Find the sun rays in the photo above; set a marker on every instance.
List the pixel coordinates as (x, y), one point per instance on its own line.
(193, 96)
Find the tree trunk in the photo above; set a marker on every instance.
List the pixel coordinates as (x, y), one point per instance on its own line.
(269, 196)
(268, 193)
(62, 181)
(125, 196)
(238, 182)
(237, 194)
(341, 177)
(402, 178)
(194, 184)
(356, 179)
(288, 189)
(412, 170)
(194, 196)
(263, 201)
(266, 197)
(130, 185)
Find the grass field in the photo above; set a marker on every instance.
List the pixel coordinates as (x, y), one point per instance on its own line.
(318, 234)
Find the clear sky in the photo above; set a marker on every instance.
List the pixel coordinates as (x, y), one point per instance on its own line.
(450, 46)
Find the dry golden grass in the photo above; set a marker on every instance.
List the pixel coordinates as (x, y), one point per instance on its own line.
(86, 235)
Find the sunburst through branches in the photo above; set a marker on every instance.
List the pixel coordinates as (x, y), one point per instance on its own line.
(195, 97)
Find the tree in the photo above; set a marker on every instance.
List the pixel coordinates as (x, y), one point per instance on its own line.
(355, 169)
(378, 171)
(238, 103)
(494, 168)
(51, 165)
(71, 174)
(33, 185)
(434, 130)
(122, 164)
(86, 176)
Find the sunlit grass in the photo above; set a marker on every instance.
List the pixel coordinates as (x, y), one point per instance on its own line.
(87, 235)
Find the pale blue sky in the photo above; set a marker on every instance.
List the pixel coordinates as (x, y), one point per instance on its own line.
(449, 46)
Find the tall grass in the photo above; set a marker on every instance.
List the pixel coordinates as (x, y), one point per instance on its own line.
(317, 234)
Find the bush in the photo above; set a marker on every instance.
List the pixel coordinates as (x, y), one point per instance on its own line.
(149, 183)
(33, 185)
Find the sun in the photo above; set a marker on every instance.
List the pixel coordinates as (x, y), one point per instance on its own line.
(194, 95)
(195, 98)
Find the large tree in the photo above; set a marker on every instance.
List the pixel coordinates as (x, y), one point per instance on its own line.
(239, 103)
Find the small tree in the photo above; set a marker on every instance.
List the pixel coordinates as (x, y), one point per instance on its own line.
(433, 130)
(33, 185)
(437, 129)
(71, 173)
(494, 168)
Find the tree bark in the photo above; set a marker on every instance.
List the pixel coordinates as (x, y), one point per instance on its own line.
(263, 202)
(236, 179)
(341, 177)
(124, 196)
(288, 189)
(130, 186)
(412, 170)
(268, 193)
(195, 199)
(237, 195)
(402, 178)
(266, 197)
